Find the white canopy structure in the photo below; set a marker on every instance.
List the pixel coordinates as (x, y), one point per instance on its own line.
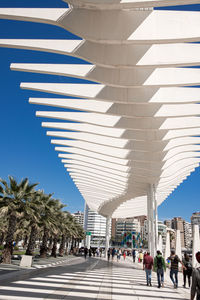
(133, 134)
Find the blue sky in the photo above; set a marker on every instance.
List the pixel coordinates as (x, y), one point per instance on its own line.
(25, 149)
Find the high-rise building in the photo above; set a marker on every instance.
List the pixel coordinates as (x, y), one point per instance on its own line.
(123, 227)
(141, 219)
(188, 235)
(177, 223)
(162, 230)
(79, 217)
(96, 224)
(195, 219)
(126, 225)
(168, 223)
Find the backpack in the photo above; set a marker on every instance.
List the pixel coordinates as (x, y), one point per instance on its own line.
(159, 262)
(188, 265)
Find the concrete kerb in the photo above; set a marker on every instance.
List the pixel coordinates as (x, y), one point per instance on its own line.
(36, 269)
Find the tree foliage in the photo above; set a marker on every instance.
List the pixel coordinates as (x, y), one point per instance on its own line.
(30, 215)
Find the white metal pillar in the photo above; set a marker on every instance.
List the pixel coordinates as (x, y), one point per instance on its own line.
(150, 220)
(155, 219)
(108, 219)
(160, 243)
(196, 242)
(87, 241)
(167, 246)
(178, 244)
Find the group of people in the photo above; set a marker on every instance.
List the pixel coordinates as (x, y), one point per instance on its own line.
(159, 266)
(118, 252)
(92, 252)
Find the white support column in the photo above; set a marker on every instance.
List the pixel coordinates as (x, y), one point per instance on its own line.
(155, 218)
(108, 219)
(88, 240)
(150, 218)
(167, 246)
(160, 243)
(178, 244)
(196, 242)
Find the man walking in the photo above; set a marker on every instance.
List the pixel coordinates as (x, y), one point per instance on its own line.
(159, 268)
(85, 252)
(108, 254)
(174, 259)
(147, 266)
(133, 254)
(195, 289)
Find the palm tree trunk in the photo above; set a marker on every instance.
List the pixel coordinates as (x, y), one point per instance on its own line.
(50, 243)
(25, 241)
(2, 238)
(44, 248)
(32, 240)
(62, 245)
(8, 248)
(54, 249)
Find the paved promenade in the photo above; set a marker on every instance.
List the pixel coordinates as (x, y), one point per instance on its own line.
(94, 278)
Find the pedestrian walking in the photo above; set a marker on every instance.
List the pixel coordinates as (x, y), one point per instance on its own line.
(141, 257)
(147, 266)
(85, 252)
(93, 251)
(101, 252)
(113, 253)
(124, 254)
(119, 253)
(133, 254)
(187, 272)
(174, 259)
(195, 289)
(90, 252)
(159, 268)
(108, 254)
(97, 252)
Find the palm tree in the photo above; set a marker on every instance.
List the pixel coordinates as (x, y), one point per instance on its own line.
(66, 226)
(33, 214)
(13, 197)
(48, 221)
(71, 231)
(3, 227)
(58, 226)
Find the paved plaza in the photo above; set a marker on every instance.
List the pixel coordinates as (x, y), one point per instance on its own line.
(91, 279)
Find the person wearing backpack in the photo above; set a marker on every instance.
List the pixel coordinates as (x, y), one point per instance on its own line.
(159, 267)
(195, 289)
(188, 269)
(174, 259)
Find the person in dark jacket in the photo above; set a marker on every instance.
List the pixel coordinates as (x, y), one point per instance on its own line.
(187, 272)
(90, 252)
(108, 254)
(159, 267)
(113, 253)
(85, 252)
(133, 254)
(195, 289)
(147, 266)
